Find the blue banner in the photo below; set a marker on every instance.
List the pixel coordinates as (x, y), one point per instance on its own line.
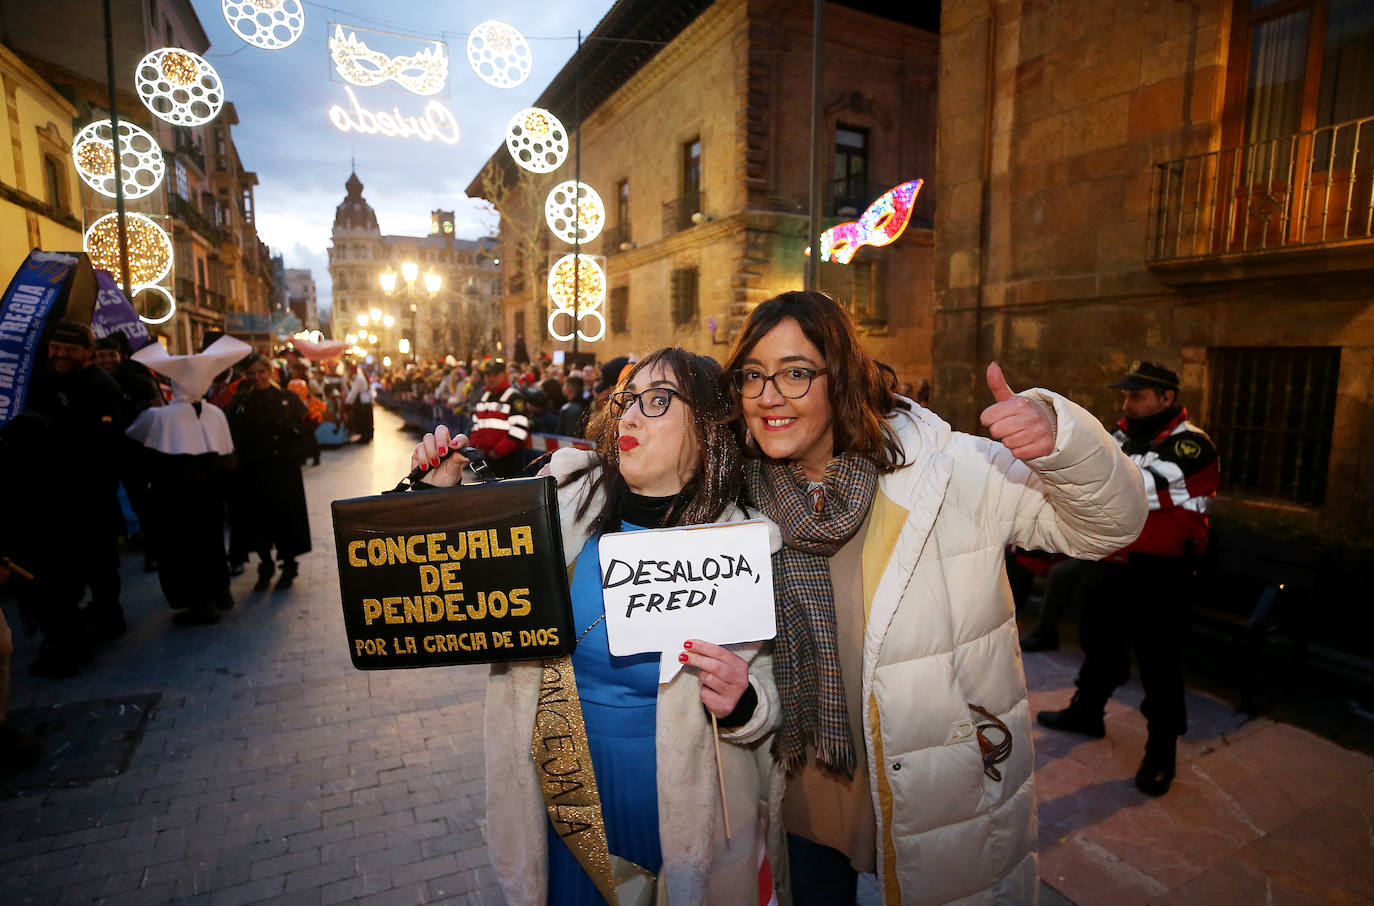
(23, 315)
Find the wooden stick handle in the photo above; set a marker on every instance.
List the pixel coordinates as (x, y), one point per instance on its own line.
(720, 775)
(25, 574)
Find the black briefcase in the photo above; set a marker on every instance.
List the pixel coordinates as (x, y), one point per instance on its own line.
(465, 575)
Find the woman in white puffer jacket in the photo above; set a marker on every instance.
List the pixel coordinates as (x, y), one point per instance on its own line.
(906, 733)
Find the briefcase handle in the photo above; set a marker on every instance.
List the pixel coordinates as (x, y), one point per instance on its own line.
(476, 461)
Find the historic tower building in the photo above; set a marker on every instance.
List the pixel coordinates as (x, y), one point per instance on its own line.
(352, 268)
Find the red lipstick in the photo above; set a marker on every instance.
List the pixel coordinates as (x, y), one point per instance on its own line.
(627, 443)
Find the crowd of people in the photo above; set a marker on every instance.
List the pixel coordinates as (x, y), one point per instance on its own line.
(165, 452)
(885, 729)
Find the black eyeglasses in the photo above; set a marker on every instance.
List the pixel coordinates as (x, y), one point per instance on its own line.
(793, 383)
(652, 402)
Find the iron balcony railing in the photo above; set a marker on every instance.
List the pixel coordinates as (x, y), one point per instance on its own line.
(679, 214)
(847, 199)
(1306, 189)
(614, 237)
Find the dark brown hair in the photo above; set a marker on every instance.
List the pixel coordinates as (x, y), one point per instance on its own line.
(718, 477)
(861, 390)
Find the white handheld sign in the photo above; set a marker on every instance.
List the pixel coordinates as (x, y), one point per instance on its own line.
(664, 586)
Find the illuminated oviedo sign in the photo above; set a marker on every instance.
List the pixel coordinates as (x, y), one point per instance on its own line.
(436, 122)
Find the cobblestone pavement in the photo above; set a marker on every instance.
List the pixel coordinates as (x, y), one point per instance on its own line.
(269, 768)
(248, 762)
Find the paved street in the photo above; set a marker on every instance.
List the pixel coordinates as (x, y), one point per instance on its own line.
(250, 762)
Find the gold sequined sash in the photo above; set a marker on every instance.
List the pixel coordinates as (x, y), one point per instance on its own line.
(563, 763)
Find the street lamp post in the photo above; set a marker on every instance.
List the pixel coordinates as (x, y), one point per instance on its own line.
(410, 271)
(369, 322)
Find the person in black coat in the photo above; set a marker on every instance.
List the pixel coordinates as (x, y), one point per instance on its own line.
(268, 508)
(59, 458)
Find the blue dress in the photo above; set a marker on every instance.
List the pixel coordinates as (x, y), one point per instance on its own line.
(619, 698)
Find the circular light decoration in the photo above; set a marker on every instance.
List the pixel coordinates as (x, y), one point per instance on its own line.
(587, 285)
(179, 86)
(139, 300)
(150, 251)
(140, 155)
(568, 218)
(537, 140)
(269, 24)
(499, 54)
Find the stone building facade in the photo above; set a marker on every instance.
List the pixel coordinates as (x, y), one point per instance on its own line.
(460, 319)
(300, 296)
(699, 149)
(221, 276)
(39, 190)
(1187, 183)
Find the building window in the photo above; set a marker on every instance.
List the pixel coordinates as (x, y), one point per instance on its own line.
(684, 295)
(850, 194)
(1308, 64)
(622, 205)
(1301, 72)
(691, 167)
(858, 286)
(620, 309)
(52, 183)
(1271, 413)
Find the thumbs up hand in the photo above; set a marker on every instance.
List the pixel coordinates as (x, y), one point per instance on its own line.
(1017, 422)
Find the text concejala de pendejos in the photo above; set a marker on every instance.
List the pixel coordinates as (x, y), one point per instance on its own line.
(436, 601)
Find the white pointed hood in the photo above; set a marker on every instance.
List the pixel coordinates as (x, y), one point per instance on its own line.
(191, 374)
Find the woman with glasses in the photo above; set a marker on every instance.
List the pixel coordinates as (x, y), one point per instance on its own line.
(906, 733)
(664, 455)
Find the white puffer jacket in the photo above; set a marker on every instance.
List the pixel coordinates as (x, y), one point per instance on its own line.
(941, 636)
(700, 866)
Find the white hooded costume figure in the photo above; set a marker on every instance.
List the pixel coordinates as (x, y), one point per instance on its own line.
(186, 444)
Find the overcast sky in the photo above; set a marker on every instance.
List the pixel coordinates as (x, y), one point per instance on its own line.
(284, 134)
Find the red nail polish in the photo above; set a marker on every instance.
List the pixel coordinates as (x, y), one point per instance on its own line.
(424, 467)
(682, 657)
(443, 451)
(434, 461)
(687, 644)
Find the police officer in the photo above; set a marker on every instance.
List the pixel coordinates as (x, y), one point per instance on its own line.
(500, 426)
(1142, 602)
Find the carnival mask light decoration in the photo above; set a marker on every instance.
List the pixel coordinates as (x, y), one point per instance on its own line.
(880, 224)
(179, 86)
(269, 24)
(423, 73)
(140, 157)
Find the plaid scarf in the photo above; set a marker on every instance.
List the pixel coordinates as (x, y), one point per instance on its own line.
(806, 658)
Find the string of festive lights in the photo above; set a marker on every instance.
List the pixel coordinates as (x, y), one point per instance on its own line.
(179, 86)
(141, 159)
(537, 140)
(578, 220)
(150, 249)
(140, 302)
(584, 282)
(269, 24)
(499, 54)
